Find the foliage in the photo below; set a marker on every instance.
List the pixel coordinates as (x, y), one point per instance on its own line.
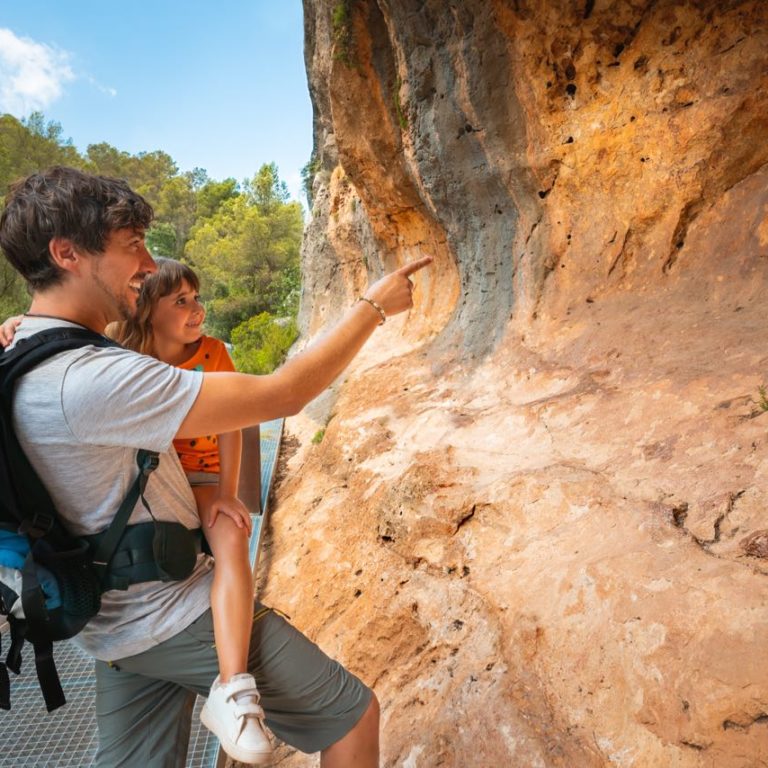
(762, 403)
(341, 21)
(401, 117)
(308, 173)
(212, 194)
(261, 343)
(26, 146)
(14, 298)
(247, 253)
(243, 239)
(285, 290)
(317, 438)
(161, 239)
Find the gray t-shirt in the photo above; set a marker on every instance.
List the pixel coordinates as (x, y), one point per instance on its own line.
(80, 418)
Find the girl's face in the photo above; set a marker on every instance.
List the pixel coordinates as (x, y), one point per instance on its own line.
(179, 316)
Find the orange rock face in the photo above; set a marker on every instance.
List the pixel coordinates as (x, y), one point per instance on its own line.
(536, 523)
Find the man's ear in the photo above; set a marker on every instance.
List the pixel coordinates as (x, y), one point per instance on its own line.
(65, 254)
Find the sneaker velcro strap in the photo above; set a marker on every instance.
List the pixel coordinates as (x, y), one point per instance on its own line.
(248, 708)
(240, 685)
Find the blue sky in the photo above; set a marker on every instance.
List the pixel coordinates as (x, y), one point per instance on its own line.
(217, 85)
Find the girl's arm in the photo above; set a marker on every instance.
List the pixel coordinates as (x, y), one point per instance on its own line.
(230, 451)
(8, 329)
(226, 501)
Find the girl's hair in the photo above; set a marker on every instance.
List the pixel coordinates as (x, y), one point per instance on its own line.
(136, 333)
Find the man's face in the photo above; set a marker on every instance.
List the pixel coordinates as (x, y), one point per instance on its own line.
(119, 272)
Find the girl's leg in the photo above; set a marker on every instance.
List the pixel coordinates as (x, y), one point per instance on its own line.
(232, 710)
(232, 591)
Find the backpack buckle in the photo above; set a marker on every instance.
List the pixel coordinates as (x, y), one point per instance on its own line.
(148, 463)
(38, 526)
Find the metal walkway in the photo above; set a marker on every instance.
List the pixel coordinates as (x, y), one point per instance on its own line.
(30, 737)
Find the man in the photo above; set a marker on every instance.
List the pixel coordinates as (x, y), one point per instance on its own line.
(78, 241)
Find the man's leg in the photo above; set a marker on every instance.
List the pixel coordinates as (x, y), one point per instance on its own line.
(144, 703)
(142, 721)
(360, 747)
(311, 702)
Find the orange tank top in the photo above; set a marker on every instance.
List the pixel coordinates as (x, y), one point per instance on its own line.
(201, 454)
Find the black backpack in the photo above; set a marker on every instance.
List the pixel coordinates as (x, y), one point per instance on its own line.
(62, 576)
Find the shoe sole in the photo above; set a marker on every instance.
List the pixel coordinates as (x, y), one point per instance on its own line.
(233, 750)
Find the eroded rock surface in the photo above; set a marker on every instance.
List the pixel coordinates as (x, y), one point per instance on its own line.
(537, 520)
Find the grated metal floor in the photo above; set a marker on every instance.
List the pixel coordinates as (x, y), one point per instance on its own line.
(66, 738)
(30, 737)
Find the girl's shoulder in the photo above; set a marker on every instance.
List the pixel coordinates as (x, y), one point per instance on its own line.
(215, 354)
(209, 343)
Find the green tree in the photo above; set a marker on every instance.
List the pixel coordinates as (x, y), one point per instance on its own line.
(155, 176)
(175, 206)
(14, 298)
(27, 146)
(212, 194)
(266, 190)
(308, 173)
(31, 144)
(243, 250)
(107, 160)
(284, 291)
(243, 241)
(149, 172)
(261, 343)
(161, 239)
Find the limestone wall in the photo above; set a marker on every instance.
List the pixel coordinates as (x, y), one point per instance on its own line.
(537, 520)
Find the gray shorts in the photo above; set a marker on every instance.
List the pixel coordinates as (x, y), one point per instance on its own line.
(202, 478)
(144, 702)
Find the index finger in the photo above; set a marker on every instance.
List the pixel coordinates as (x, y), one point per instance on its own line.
(414, 266)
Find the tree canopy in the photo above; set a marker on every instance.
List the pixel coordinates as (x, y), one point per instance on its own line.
(242, 239)
(247, 252)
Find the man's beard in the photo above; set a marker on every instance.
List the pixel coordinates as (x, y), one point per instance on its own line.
(121, 305)
(126, 312)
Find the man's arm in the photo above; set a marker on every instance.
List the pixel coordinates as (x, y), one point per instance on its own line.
(230, 401)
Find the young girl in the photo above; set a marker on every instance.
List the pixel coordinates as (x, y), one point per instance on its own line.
(168, 326)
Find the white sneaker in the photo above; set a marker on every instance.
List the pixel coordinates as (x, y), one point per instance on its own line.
(233, 713)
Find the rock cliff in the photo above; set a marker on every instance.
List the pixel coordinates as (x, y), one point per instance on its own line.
(536, 523)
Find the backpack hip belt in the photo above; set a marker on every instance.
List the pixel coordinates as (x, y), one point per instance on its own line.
(152, 551)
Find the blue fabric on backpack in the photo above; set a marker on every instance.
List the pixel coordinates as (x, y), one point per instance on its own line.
(14, 548)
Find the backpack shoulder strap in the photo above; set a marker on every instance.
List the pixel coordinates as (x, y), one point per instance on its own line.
(32, 509)
(109, 539)
(41, 346)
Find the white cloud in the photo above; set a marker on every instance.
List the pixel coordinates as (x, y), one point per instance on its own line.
(105, 89)
(31, 74)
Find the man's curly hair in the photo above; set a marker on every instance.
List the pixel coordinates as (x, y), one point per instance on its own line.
(64, 202)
